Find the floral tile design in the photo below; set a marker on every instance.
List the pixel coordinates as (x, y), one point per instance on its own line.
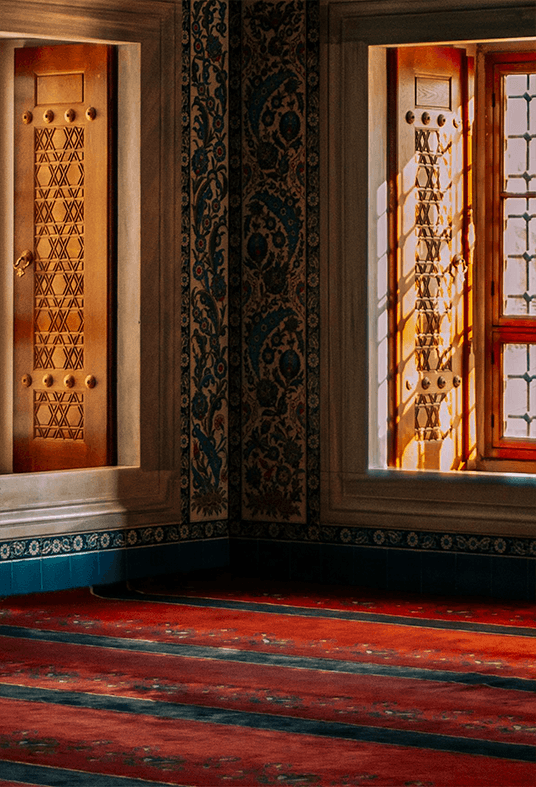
(208, 330)
(69, 544)
(274, 309)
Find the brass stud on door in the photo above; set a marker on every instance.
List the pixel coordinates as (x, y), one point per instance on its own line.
(48, 116)
(441, 120)
(70, 115)
(91, 113)
(48, 380)
(26, 380)
(410, 117)
(27, 117)
(425, 117)
(90, 381)
(68, 381)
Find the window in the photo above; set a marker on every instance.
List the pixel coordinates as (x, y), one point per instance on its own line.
(360, 484)
(510, 425)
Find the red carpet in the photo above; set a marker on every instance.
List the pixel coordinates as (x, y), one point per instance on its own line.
(228, 683)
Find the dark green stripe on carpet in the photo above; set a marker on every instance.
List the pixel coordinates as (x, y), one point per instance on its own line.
(271, 659)
(273, 723)
(63, 777)
(120, 593)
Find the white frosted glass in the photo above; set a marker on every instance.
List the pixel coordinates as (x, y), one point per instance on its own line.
(515, 159)
(515, 427)
(515, 277)
(515, 206)
(514, 358)
(531, 265)
(515, 397)
(516, 184)
(519, 390)
(516, 116)
(532, 397)
(515, 84)
(515, 236)
(515, 305)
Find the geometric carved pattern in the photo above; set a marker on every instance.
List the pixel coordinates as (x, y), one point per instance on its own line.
(59, 245)
(432, 309)
(427, 416)
(59, 415)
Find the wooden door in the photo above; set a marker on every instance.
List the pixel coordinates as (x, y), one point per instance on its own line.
(62, 258)
(430, 269)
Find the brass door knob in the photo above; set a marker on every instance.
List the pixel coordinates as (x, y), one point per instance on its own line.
(25, 259)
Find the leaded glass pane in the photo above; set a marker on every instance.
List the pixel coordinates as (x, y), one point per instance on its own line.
(520, 133)
(519, 246)
(519, 391)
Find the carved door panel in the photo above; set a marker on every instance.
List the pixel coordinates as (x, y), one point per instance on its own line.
(430, 265)
(62, 258)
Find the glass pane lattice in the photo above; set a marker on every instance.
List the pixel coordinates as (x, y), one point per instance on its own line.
(520, 133)
(519, 241)
(519, 391)
(519, 212)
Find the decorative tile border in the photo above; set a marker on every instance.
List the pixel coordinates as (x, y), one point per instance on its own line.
(393, 539)
(130, 538)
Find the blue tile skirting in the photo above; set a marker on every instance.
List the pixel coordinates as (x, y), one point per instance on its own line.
(401, 568)
(59, 562)
(383, 537)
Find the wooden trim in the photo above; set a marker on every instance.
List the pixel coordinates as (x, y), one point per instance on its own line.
(468, 91)
(392, 180)
(501, 329)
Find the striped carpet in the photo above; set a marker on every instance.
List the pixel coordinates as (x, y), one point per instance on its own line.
(226, 682)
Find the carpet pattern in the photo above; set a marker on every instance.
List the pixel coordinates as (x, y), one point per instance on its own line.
(232, 683)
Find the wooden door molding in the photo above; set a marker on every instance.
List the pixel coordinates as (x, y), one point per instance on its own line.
(427, 252)
(62, 314)
(144, 488)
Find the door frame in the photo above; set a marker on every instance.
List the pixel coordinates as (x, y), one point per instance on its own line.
(143, 488)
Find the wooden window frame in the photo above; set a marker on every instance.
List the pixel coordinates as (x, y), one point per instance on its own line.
(500, 329)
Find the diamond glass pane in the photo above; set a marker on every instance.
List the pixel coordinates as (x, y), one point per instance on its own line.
(519, 391)
(520, 133)
(519, 247)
